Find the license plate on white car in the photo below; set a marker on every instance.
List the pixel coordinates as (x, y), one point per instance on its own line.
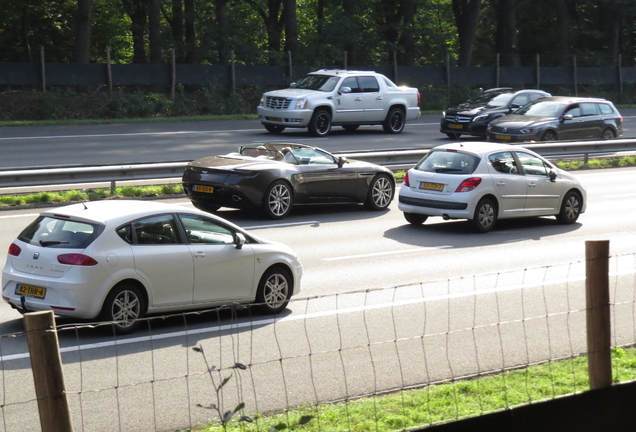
(432, 186)
(31, 291)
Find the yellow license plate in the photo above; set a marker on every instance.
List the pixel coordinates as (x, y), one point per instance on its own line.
(277, 119)
(504, 137)
(30, 291)
(432, 186)
(201, 188)
(456, 126)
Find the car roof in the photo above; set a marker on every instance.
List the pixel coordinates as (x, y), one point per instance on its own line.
(478, 147)
(573, 99)
(340, 72)
(115, 211)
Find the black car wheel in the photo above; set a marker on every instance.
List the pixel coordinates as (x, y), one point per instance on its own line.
(274, 290)
(415, 218)
(485, 216)
(278, 200)
(394, 123)
(380, 193)
(351, 128)
(549, 135)
(274, 128)
(570, 208)
(608, 134)
(320, 123)
(124, 305)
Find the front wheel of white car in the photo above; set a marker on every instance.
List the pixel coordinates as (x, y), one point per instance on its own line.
(274, 290)
(570, 208)
(320, 123)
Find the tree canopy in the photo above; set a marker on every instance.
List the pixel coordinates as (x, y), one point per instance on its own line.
(319, 32)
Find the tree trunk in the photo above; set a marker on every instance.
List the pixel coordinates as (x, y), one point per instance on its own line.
(406, 39)
(222, 43)
(177, 30)
(348, 6)
(291, 27)
(563, 32)
(610, 20)
(466, 18)
(83, 25)
(506, 35)
(137, 11)
(190, 32)
(154, 30)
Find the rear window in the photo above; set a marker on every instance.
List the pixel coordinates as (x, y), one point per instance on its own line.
(53, 232)
(448, 162)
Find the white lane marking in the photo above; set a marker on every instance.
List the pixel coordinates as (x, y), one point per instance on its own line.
(423, 249)
(20, 215)
(250, 324)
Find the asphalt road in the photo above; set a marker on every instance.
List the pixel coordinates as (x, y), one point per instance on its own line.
(49, 146)
(454, 303)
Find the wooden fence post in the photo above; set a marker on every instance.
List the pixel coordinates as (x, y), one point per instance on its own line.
(345, 60)
(42, 69)
(48, 376)
(598, 313)
(289, 62)
(538, 72)
(620, 74)
(497, 71)
(395, 68)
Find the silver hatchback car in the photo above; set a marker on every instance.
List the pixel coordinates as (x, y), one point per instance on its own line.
(483, 182)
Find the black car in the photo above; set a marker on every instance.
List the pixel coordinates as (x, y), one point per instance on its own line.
(472, 117)
(559, 118)
(276, 176)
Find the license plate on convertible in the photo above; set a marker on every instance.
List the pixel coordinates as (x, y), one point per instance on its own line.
(201, 188)
(31, 291)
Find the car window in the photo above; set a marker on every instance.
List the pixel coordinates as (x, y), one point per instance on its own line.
(542, 108)
(503, 162)
(605, 108)
(573, 110)
(520, 100)
(369, 84)
(201, 230)
(160, 229)
(448, 162)
(308, 156)
(535, 96)
(53, 232)
(351, 82)
(533, 165)
(589, 109)
(324, 83)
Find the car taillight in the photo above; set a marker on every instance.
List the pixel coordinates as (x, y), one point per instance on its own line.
(76, 259)
(406, 180)
(14, 249)
(419, 99)
(468, 184)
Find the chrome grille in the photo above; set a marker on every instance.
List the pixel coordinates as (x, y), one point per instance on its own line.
(277, 102)
(458, 119)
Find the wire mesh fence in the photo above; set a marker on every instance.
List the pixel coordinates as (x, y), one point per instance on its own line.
(456, 341)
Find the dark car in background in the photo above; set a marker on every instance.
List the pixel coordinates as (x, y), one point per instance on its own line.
(472, 117)
(276, 176)
(559, 118)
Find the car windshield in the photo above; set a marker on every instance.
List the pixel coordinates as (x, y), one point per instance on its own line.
(542, 109)
(324, 83)
(452, 162)
(60, 233)
(493, 100)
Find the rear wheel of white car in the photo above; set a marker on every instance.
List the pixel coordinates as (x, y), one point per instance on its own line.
(124, 306)
(415, 218)
(320, 123)
(570, 208)
(485, 216)
(380, 193)
(274, 290)
(394, 122)
(278, 200)
(275, 129)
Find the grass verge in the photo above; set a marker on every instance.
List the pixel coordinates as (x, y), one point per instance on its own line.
(440, 402)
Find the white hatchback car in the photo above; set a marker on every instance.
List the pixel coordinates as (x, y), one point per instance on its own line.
(483, 182)
(121, 260)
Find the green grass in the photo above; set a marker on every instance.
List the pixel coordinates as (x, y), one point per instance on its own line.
(441, 402)
(129, 120)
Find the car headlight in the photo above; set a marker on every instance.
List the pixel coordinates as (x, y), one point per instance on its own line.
(443, 114)
(489, 126)
(528, 130)
(301, 103)
(262, 100)
(480, 118)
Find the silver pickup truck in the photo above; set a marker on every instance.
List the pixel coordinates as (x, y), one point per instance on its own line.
(344, 98)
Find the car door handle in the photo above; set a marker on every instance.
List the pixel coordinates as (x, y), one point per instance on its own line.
(501, 183)
(199, 254)
(379, 98)
(358, 99)
(532, 185)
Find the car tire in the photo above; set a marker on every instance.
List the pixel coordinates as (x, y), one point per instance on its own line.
(608, 134)
(274, 290)
(485, 216)
(320, 123)
(570, 208)
(124, 306)
(549, 135)
(415, 218)
(275, 129)
(381, 192)
(278, 200)
(453, 135)
(394, 122)
(206, 207)
(351, 128)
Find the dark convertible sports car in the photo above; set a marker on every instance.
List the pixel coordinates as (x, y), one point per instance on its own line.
(276, 176)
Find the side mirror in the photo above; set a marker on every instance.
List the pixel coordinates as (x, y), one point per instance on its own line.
(341, 161)
(239, 240)
(344, 90)
(568, 117)
(515, 106)
(552, 175)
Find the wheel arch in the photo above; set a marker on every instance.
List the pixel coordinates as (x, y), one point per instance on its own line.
(279, 265)
(137, 284)
(327, 108)
(578, 192)
(493, 198)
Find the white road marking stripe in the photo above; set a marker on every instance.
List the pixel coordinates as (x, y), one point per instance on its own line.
(423, 249)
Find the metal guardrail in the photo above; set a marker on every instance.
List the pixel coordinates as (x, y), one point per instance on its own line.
(393, 159)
